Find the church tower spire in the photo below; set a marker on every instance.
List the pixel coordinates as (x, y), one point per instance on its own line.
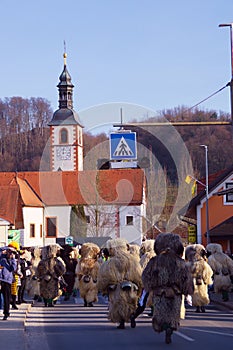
(65, 128)
(65, 88)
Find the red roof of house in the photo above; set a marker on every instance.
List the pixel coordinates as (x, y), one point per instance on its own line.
(9, 195)
(87, 187)
(114, 186)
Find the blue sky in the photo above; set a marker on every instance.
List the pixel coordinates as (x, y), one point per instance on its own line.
(155, 53)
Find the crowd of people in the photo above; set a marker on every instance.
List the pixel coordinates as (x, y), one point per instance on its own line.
(161, 274)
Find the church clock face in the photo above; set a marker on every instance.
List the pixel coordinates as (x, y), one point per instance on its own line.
(63, 153)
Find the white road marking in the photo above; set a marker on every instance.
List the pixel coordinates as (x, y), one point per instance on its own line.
(213, 332)
(184, 336)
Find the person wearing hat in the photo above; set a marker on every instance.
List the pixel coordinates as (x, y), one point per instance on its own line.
(17, 274)
(8, 267)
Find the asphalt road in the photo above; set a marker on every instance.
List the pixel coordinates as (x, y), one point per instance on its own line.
(71, 325)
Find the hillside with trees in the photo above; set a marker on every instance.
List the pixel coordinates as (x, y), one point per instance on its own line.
(24, 137)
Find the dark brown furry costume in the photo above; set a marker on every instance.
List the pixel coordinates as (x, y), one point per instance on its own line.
(49, 269)
(120, 279)
(168, 277)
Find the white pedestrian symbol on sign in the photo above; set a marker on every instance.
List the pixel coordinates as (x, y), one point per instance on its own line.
(123, 148)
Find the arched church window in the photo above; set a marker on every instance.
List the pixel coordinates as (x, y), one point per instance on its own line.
(63, 136)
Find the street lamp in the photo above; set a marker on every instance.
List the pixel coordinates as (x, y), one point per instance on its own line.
(207, 193)
(230, 25)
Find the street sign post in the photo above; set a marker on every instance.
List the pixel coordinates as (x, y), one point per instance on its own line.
(123, 145)
(69, 240)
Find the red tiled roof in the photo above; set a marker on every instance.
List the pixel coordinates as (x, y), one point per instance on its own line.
(115, 186)
(9, 195)
(28, 196)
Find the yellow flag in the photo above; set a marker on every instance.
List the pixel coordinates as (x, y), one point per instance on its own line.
(194, 188)
(188, 179)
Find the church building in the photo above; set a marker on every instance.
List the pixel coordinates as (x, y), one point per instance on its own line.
(39, 208)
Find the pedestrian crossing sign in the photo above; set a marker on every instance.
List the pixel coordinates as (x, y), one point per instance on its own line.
(123, 145)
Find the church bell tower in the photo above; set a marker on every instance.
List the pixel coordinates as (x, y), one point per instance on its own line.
(66, 134)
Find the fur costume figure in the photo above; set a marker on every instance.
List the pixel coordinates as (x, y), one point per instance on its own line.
(135, 250)
(195, 254)
(168, 276)
(33, 284)
(222, 266)
(146, 252)
(49, 270)
(120, 279)
(68, 256)
(86, 273)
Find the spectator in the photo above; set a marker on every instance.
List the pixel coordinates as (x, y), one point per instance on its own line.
(8, 267)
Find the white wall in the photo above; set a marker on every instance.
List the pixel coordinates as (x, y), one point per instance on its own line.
(133, 233)
(62, 213)
(32, 216)
(4, 225)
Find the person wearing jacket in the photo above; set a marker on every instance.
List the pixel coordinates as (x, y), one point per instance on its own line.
(8, 266)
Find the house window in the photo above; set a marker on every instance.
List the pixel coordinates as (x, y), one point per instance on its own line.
(229, 196)
(32, 230)
(88, 220)
(51, 227)
(63, 136)
(129, 220)
(41, 231)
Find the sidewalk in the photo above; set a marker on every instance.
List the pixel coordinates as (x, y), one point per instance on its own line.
(13, 329)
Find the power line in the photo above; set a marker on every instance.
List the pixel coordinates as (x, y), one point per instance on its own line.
(216, 92)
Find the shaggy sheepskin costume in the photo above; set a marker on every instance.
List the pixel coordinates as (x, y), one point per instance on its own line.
(86, 273)
(195, 254)
(33, 284)
(222, 266)
(146, 252)
(135, 250)
(168, 276)
(49, 271)
(120, 279)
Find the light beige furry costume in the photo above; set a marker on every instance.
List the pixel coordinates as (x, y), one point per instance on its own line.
(33, 284)
(146, 253)
(222, 266)
(135, 250)
(202, 273)
(86, 273)
(120, 279)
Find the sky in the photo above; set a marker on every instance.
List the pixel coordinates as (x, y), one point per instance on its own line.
(148, 55)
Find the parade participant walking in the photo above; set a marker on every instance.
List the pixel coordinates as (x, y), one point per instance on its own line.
(120, 279)
(49, 269)
(146, 252)
(169, 278)
(25, 268)
(33, 284)
(202, 273)
(86, 273)
(8, 266)
(69, 256)
(222, 266)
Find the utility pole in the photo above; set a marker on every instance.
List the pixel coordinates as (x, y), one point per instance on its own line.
(231, 82)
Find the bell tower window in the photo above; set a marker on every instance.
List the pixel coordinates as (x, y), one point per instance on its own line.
(63, 136)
